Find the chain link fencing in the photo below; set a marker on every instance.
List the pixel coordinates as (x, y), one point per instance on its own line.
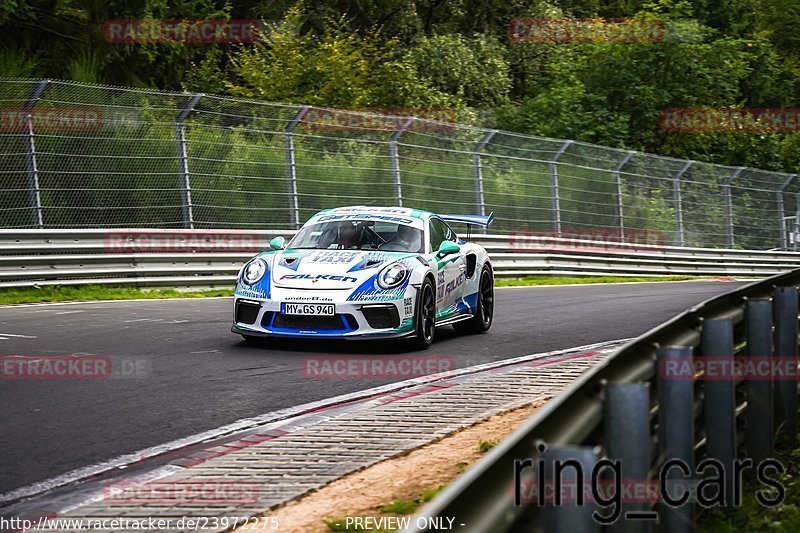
(77, 155)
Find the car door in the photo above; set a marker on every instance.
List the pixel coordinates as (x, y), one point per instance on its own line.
(451, 271)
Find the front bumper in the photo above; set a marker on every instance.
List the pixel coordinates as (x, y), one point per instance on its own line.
(260, 317)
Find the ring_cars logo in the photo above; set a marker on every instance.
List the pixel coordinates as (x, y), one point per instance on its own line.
(318, 277)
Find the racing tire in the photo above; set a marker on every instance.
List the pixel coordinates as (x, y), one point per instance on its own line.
(481, 321)
(424, 317)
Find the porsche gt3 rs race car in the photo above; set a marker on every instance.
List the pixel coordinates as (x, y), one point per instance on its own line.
(368, 272)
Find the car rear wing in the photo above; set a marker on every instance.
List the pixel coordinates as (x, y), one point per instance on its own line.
(470, 220)
(473, 220)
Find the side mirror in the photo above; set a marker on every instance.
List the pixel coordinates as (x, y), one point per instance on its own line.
(277, 243)
(448, 248)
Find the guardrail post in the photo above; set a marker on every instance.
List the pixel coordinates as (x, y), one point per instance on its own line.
(561, 467)
(726, 189)
(395, 158)
(627, 439)
(781, 211)
(759, 413)
(719, 400)
(291, 167)
(30, 153)
(556, 197)
(785, 311)
(617, 173)
(183, 160)
(676, 435)
(478, 169)
(678, 202)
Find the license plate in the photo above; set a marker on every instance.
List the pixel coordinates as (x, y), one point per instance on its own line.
(309, 309)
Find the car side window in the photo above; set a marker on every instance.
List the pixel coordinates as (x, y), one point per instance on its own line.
(451, 235)
(439, 233)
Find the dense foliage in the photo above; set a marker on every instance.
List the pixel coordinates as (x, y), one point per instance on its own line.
(452, 54)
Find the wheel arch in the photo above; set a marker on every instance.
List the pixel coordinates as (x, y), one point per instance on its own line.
(488, 263)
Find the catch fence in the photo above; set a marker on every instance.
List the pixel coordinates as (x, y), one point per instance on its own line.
(78, 155)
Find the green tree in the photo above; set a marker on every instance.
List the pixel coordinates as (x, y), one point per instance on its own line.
(474, 69)
(340, 69)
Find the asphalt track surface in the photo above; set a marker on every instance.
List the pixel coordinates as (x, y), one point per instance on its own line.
(194, 375)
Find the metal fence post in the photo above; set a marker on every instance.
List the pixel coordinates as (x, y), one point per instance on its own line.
(478, 169)
(729, 206)
(556, 198)
(676, 435)
(291, 167)
(759, 413)
(677, 199)
(561, 469)
(719, 400)
(395, 157)
(627, 437)
(785, 316)
(781, 211)
(796, 221)
(183, 160)
(618, 183)
(30, 153)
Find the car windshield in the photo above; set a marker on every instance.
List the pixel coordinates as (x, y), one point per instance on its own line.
(359, 235)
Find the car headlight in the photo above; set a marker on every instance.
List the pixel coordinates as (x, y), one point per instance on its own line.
(392, 276)
(254, 271)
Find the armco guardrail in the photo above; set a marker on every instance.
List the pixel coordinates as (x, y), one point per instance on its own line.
(208, 258)
(665, 410)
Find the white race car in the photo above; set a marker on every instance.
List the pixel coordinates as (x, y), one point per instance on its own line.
(368, 272)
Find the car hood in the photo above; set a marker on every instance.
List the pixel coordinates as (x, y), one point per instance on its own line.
(328, 269)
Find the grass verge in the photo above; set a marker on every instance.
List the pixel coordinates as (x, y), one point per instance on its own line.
(751, 515)
(528, 281)
(71, 293)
